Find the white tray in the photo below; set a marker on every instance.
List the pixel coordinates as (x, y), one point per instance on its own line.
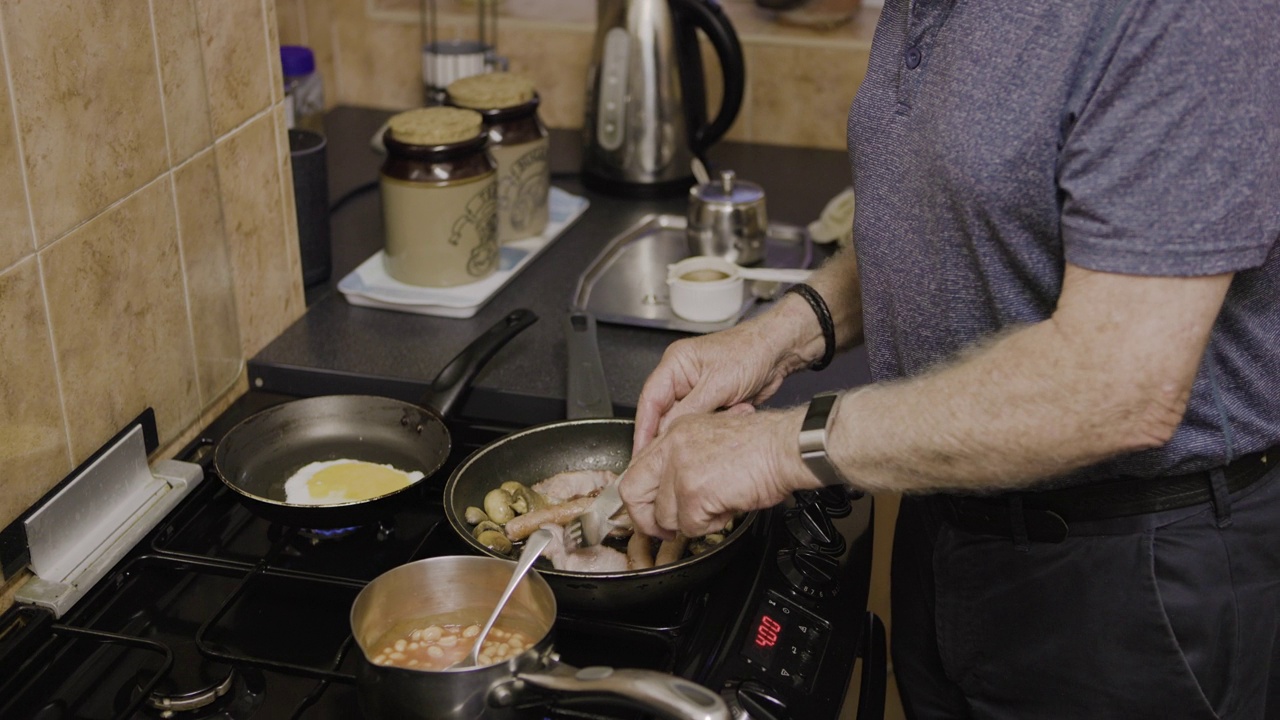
(370, 286)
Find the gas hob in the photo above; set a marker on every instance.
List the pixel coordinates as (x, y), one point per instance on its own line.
(217, 613)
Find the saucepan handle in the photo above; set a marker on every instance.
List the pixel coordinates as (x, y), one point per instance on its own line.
(669, 695)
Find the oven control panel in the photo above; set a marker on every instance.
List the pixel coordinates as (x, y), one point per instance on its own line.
(793, 652)
(787, 644)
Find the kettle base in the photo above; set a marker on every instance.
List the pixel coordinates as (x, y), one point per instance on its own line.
(612, 186)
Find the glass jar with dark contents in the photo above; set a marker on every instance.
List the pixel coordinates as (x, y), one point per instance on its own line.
(518, 141)
(439, 198)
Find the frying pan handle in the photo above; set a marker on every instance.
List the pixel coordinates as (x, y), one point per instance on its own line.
(669, 695)
(455, 379)
(588, 393)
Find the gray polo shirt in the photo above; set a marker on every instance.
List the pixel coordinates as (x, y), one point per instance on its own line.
(993, 141)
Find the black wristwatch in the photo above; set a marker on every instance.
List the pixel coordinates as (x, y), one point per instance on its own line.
(813, 439)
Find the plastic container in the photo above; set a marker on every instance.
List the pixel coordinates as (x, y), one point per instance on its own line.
(439, 198)
(303, 89)
(519, 143)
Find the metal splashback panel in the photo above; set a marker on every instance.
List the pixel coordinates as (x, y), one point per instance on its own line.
(627, 283)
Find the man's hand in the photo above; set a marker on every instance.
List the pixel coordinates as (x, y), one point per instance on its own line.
(707, 468)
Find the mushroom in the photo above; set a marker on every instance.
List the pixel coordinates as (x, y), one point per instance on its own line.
(497, 504)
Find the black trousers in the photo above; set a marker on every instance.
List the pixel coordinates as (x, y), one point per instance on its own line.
(1168, 615)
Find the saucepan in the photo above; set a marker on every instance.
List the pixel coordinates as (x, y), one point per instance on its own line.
(461, 589)
(258, 456)
(583, 443)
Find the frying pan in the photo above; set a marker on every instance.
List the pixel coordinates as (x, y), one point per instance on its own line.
(583, 443)
(256, 457)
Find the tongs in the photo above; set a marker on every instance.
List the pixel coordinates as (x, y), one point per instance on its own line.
(592, 526)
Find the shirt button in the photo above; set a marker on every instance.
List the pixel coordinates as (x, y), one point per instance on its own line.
(913, 58)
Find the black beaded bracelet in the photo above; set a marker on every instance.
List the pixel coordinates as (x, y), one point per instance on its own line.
(824, 321)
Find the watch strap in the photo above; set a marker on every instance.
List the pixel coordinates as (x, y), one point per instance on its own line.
(813, 439)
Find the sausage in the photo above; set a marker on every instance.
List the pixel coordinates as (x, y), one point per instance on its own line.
(522, 526)
(671, 550)
(639, 551)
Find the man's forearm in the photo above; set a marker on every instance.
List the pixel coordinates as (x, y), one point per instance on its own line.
(1109, 374)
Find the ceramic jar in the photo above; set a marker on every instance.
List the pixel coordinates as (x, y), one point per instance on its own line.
(439, 198)
(519, 143)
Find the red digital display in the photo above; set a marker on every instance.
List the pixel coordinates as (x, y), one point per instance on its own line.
(767, 632)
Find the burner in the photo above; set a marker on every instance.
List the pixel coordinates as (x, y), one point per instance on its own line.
(318, 536)
(196, 688)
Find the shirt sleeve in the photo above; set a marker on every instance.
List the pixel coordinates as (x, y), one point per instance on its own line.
(1172, 163)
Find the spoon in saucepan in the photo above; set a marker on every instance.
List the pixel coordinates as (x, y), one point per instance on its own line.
(533, 547)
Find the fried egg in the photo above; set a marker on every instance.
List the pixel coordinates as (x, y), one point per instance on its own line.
(330, 482)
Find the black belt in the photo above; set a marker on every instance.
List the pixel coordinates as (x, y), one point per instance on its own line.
(1047, 515)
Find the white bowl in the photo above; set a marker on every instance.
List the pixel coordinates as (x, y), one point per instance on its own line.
(705, 288)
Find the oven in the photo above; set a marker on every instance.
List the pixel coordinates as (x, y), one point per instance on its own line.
(204, 610)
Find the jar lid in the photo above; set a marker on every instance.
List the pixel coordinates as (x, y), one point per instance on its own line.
(436, 126)
(491, 91)
(297, 60)
(729, 189)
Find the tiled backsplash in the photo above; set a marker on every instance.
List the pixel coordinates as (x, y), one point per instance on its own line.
(147, 234)
(799, 81)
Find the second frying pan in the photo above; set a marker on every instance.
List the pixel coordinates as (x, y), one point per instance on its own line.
(258, 455)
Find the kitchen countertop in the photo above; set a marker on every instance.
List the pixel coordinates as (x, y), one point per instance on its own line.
(337, 347)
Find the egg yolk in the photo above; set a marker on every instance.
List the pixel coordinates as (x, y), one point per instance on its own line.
(356, 481)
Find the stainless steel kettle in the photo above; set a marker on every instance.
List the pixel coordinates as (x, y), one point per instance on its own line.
(646, 113)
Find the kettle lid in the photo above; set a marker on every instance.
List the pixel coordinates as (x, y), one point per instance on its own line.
(728, 189)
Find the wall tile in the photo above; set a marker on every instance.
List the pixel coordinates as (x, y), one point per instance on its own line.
(15, 223)
(320, 33)
(288, 205)
(557, 61)
(379, 63)
(291, 21)
(237, 67)
(272, 41)
(210, 281)
(802, 98)
(268, 284)
(119, 318)
(33, 437)
(88, 104)
(186, 98)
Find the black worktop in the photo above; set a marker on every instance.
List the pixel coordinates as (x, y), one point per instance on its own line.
(337, 347)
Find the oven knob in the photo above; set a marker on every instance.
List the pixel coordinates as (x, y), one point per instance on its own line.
(812, 527)
(811, 573)
(760, 702)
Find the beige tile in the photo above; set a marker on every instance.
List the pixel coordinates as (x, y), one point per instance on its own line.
(186, 98)
(33, 437)
(802, 98)
(211, 288)
(379, 62)
(318, 18)
(237, 69)
(291, 21)
(288, 205)
(557, 61)
(88, 104)
(15, 238)
(119, 317)
(273, 49)
(268, 280)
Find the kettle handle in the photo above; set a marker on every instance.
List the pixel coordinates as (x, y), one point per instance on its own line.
(707, 15)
